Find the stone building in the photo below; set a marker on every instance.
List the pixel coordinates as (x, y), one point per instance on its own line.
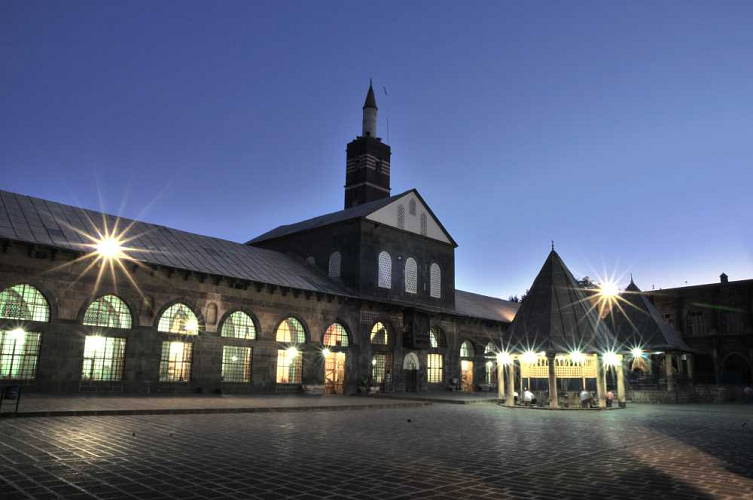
(360, 299)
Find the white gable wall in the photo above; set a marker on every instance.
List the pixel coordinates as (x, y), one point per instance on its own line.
(388, 216)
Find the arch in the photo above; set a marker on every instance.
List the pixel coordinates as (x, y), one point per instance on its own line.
(736, 369)
(24, 302)
(335, 263)
(336, 335)
(108, 311)
(180, 319)
(401, 216)
(410, 362)
(436, 338)
(490, 349)
(385, 270)
(424, 224)
(380, 335)
(238, 325)
(290, 331)
(467, 350)
(435, 281)
(411, 275)
(412, 207)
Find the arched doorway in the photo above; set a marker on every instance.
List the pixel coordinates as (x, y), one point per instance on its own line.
(735, 370)
(410, 372)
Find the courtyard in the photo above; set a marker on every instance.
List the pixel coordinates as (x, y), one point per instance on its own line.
(437, 451)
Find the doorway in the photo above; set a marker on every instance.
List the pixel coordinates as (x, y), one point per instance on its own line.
(334, 373)
(466, 375)
(410, 372)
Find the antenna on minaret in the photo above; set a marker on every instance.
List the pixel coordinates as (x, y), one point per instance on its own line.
(552, 245)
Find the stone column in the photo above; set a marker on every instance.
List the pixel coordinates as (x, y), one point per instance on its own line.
(601, 390)
(511, 384)
(717, 365)
(621, 394)
(553, 400)
(669, 372)
(500, 380)
(690, 369)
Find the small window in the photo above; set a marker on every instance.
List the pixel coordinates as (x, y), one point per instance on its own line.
(412, 207)
(239, 325)
(334, 265)
(466, 350)
(379, 334)
(401, 217)
(104, 358)
(423, 224)
(24, 302)
(435, 281)
(385, 270)
(175, 365)
(289, 366)
(411, 276)
(236, 364)
(291, 331)
(434, 338)
(19, 354)
(490, 373)
(336, 336)
(108, 311)
(381, 366)
(490, 349)
(180, 319)
(434, 368)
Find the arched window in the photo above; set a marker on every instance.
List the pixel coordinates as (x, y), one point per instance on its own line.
(435, 281)
(385, 270)
(108, 311)
(336, 336)
(291, 331)
(490, 349)
(412, 207)
(239, 325)
(423, 224)
(334, 265)
(435, 338)
(24, 302)
(379, 334)
(411, 275)
(401, 216)
(466, 350)
(179, 318)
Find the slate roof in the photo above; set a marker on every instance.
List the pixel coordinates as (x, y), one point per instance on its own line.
(557, 315)
(639, 324)
(481, 306)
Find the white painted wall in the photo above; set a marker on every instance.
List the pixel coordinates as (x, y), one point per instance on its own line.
(388, 216)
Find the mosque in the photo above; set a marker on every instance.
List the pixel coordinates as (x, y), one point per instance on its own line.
(356, 301)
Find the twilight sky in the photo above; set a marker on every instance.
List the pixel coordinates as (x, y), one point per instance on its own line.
(622, 132)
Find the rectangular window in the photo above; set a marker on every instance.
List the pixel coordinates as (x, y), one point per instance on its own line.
(289, 367)
(382, 365)
(175, 365)
(435, 368)
(19, 354)
(103, 358)
(490, 373)
(236, 364)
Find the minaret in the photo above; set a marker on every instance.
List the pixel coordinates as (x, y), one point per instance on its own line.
(367, 171)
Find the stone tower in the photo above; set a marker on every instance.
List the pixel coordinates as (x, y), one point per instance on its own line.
(367, 171)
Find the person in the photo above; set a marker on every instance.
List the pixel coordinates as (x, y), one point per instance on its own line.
(387, 380)
(748, 395)
(515, 396)
(528, 398)
(585, 399)
(610, 398)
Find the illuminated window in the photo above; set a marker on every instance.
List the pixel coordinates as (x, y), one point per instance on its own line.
(19, 354)
(236, 364)
(466, 350)
(103, 358)
(385, 270)
(490, 349)
(239, 325)
(435, 368)
(175, 365)
(490, 373)
(379, 334)
(423, 224)
(411, 275)
(24, 302)
(291, 331)
(108, 311)
(289, 366)
(179, 318)
(334, 265)
(382, 365)
(336, 336)
(434, 337)
(412, 207)
(435, 281)
(401, 216)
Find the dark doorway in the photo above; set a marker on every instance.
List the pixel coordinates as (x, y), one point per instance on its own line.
(735, 370)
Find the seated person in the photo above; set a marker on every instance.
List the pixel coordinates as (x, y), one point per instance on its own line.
(585, 399)
(528, 398)
(610, 398)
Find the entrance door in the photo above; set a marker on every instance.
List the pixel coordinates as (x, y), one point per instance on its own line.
(334, 373)
(466, 375)
(410, 372)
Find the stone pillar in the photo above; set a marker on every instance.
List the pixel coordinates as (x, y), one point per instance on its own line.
(500, 380)
(511, 384)
(601, 390)
(553, 400)
(717, 365)
(621, 394)
(669, 372)
(691, 380)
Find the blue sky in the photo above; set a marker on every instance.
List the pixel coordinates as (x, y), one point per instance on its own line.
(621, 131)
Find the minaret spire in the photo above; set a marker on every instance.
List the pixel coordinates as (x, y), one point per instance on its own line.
(370, 114)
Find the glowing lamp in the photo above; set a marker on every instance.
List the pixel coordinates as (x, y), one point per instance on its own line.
(529, 357)
(373, 362)
(326, 352)
(577, 357)
(611, 358)
(292, 352)
(234, 359)
(637, 352)
(504, 358)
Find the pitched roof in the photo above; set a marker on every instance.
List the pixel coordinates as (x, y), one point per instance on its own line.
(370, 99)
(556, 314)
(33, 220)
(481, 306)
(639, 324)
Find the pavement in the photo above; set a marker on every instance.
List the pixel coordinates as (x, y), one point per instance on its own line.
(437, 451)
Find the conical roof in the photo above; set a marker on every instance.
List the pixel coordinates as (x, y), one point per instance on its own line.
(370, 99)
(637, 323)
(557, 315)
